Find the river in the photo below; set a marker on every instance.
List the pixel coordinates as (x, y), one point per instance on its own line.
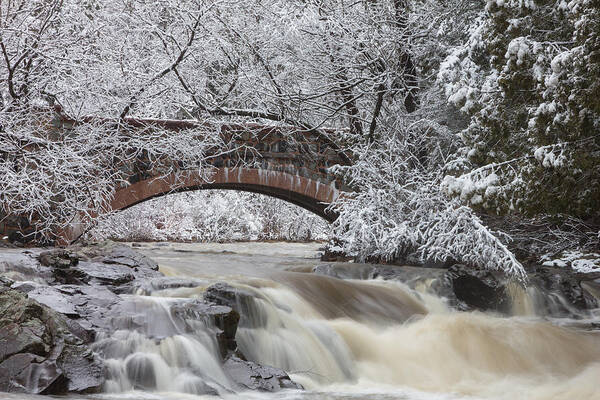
(345, 339)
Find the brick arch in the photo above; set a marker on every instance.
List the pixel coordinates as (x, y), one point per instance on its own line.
(307, 193)
(301, 191)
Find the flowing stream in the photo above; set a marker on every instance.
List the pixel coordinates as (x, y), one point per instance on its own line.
(343, 339)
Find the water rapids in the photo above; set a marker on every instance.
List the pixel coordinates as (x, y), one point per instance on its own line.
(343, 339)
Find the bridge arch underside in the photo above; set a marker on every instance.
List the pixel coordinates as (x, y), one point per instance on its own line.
(307, 193)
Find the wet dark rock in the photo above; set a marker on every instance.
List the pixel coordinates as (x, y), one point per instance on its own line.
(238, 299)
(39, 352)
(224, 294)
(89, 307)
(223, 318)
(478, 289)
(571, 286)
(47, 377)
(83, 370)
(104, 274)
(54, 299)
(591, 290)
(118, 254)
(58, 258)
(114, 265)
(149, 286)
(250, 375)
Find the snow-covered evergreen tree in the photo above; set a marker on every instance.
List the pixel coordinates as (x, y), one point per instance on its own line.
(528, 79)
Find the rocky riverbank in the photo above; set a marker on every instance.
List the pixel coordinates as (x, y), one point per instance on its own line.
(552, 291)
(56, 304)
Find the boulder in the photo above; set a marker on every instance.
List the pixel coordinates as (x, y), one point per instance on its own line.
(58, 258)
(223, 318)
(252, 376)
(88, 307)
(148, 286)
(238, 299)
(39, 353)
(222, 293)
(114, 253)
(114, 266)
(569, 285)
(478, 289)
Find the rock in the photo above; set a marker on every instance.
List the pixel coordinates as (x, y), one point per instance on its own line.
(104, 274)
(83, 371)
(223, 318)
(222, 293)
(47, 377)
(570, 286)
(23, 266)
(114, 265)
(88, 307)
(250, 375)
(117, 269)
(58, 258)
(118, 254)
(148, 286)
(38, 351)
(478, 289)
(238, 299)
(54, 299)
(592, 292)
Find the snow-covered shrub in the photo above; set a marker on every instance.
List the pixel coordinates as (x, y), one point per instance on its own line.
(400, 208)
(211, 216)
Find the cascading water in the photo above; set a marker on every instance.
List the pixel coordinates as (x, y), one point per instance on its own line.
(159, 355)
(468, 353)
(343, 338)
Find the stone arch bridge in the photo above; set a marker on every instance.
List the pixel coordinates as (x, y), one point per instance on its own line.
(283, 162)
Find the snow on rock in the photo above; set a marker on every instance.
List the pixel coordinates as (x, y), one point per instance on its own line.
(576, 260)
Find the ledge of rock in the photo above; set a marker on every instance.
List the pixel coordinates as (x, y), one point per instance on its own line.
(40, 353)
(250, 375)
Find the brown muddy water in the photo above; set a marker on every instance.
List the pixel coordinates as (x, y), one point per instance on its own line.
(348, 339)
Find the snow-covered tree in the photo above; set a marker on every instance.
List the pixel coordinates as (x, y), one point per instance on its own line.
(400, 211)
(308, 64)
(528, 79)
(211, 216)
